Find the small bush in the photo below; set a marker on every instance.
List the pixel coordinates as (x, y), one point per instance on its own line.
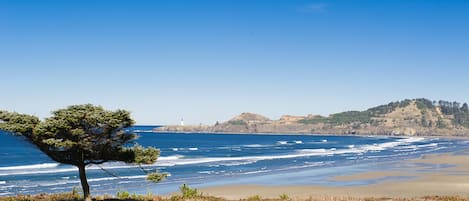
(284, 197)
(123, 195)
(188, 192)
(254, 198)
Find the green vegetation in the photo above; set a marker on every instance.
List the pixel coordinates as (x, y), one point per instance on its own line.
(188, 192)
(150, 197)
(254, 198)
(341, 118)
(284, 197)
(459, 113)
(81, 135)
(237, 122)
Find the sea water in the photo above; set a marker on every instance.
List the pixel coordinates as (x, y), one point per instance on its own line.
(203, 160)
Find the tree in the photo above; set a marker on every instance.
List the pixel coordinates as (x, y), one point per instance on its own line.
(465, 108)
(82, 135)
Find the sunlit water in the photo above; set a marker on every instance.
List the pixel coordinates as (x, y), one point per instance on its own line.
(217, 159)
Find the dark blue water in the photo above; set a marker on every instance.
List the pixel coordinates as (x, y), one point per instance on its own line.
(217, 159)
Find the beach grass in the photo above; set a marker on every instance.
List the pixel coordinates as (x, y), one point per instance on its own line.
(125, 196)
(72, 197)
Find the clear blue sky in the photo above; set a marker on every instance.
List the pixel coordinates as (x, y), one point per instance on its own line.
(210, 60)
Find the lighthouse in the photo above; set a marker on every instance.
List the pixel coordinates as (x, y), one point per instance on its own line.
(182, 121)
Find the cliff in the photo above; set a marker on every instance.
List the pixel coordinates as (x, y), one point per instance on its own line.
(407, 117)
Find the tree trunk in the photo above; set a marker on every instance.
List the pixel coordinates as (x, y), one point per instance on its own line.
(84, 183)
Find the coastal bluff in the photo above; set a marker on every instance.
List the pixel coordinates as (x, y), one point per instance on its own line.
(410, 117)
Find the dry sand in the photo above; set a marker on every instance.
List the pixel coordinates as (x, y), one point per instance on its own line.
(440, 180)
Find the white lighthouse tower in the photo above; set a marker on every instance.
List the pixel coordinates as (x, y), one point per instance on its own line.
(182, 121)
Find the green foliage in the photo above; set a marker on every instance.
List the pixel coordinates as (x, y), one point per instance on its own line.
(313, 120)
(149, 197)
(188, 192)
(341, 118)
(424, 122)
(156, 177)
(254, 198)
(440, 123)
(123, 194)
(424, 104)
(81, 135)
(459, 112)
(145, 155)
(350, 117)
(237, 122)
(284, 197)
(17, 123)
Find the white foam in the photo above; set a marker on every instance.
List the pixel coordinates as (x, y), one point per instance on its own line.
(114, 178)
(323, 140)
(250, 159)
(428, 145)
(255, 172)
(3, 182)
(411, 139)
(28, 167)
(175, 149)
(298, 142)
(255, 145)
(193, 149)
(387, 145)
(300, 153)
(175, 157)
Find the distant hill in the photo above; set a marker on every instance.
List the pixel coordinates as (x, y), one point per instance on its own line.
(408, 117)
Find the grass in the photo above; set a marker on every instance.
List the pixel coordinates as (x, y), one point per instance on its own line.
(191, 194)
(283, 197)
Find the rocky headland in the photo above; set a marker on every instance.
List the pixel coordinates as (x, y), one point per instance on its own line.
(412, 117)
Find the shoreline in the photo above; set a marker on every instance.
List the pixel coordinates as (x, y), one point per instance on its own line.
(313, 134)
(448, 176)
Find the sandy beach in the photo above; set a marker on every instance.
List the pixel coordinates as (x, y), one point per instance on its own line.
(448, 175)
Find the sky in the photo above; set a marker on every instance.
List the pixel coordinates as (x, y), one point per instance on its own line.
(208, 61)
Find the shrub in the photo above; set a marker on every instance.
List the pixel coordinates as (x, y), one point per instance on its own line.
(188, 192)
(123, 195)
(284, 197)
(254, 198)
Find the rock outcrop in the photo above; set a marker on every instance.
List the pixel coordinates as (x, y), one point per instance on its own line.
(407, 117)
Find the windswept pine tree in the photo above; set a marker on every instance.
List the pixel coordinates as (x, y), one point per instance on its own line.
(82, 135)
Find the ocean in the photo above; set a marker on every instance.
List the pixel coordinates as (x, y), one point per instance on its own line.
(203, 160)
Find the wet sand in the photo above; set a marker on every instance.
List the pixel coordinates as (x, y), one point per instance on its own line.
(448, 175)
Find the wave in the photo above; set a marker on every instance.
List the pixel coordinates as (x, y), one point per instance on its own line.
(255, 145)
(26, 172)
(165, 161)
(256, 172)
(185, 149)
(282, 142)
(387, 145)
(249, 159)
(411, 139)
(114, 178)
(61, 183)
(28, 167)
